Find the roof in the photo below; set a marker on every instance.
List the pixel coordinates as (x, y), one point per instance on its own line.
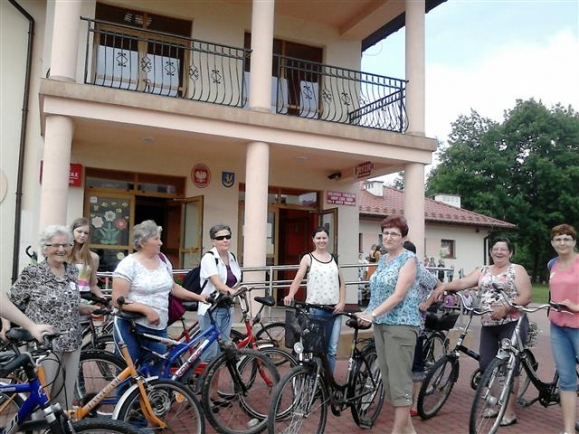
(394, 25)
(392, 202)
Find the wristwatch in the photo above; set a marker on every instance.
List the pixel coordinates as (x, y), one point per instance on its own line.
(373, 315)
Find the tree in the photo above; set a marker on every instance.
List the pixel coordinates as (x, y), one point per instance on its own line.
(524, 170)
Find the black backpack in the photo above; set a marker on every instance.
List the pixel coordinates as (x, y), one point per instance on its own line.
(192, 280)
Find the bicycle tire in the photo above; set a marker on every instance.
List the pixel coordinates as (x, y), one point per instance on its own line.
(10, 409)
(299, 404)
(493, 390)
(437, 386)
(103, 425)
(243, 411)
(435, 347)
(524, 379)
(172, 402)
(103, 343)
(96, 370)
(366, 389)
(274, 333)
(282, 360)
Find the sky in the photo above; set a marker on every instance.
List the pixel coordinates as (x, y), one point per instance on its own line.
(486, 54)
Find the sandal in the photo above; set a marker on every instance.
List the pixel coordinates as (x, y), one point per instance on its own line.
(506, 421)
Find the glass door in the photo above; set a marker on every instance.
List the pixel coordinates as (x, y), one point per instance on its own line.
(192, 232)
(329, 220)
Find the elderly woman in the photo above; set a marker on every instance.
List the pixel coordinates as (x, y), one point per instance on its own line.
(501, 323)
(220, 271)
(50, 293)
(145, 279)
(393, 309)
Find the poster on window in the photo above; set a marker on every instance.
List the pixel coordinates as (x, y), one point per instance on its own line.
(109, 218)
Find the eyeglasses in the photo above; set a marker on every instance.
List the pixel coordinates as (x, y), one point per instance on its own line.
(563, 239)
(222, 237)
(57, 245)
(391, 234)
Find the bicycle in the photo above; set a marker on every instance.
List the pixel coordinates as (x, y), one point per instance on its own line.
(443, 374)
(496, 383)
(435, 344)
(18, 412)
(300, 401)
(245, 376)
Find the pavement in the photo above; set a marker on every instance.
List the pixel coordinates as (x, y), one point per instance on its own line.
(453, 417)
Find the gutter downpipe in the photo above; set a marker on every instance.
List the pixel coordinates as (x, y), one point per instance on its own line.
(23, 126)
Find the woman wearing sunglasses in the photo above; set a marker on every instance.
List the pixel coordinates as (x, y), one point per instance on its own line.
(219, 272)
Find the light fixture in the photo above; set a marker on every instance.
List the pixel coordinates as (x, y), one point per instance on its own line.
(148, 140)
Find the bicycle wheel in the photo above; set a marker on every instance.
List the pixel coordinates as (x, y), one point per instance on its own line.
(366, 390)
(524, 379)
(244, 381)
(491, 398)
(96, 370)
(437, 385)
(171, 401)
(282, 360)
(274, 333)
(103, 425)
(9, 406)
(435, 346)
(299, 404)
(102, 343)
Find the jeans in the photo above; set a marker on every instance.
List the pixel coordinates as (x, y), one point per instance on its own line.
(565, 347)
(223, 319)
(141, 357)
(333, 330)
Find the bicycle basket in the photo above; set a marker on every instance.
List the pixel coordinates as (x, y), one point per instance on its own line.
(533, 334)
(446, 321)
(311, 330)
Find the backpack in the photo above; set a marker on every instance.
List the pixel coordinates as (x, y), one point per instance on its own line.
(192, 280)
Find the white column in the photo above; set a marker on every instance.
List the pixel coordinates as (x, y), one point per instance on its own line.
(262, 20)
(414, 207)
(65, 37)
(415, 43)
(55, 170)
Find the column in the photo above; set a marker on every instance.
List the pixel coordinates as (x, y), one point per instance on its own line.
(65, 37)
(415, 61)
(55, 170)
(257, 159)
(414, 207)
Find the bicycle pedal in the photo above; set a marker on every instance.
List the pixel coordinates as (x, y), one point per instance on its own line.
(335, 410)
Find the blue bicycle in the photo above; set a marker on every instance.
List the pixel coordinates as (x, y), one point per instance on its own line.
(17, 413)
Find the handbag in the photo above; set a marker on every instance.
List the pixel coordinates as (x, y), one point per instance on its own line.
(176, 309)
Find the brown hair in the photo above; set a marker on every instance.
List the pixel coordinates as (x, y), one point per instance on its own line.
(395, 221)
(80, 250)
(564, 229)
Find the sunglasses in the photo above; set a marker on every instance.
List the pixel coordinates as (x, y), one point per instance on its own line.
(222, 237)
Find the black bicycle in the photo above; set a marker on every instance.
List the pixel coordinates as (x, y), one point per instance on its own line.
(443, 374)
(300, 401)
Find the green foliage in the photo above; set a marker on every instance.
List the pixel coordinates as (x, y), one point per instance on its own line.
(524, 170)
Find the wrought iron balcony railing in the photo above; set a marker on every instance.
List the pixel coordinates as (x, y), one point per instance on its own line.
(123, 57)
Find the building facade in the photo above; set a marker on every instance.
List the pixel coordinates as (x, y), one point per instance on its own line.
(251, 113)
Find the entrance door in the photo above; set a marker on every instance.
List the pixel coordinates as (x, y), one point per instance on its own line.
(329, 220)
(192, 231)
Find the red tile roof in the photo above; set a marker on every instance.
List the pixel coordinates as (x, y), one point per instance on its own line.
(392, 202)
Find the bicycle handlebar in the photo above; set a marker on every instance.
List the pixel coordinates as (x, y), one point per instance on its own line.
(558, 307)
(473, 310)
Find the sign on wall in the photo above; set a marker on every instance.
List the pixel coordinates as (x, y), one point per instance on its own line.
(200, 175)
(363, 170)
(74, 174)
(340, 198)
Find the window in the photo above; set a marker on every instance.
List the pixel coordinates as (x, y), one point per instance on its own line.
(137, 59)
(447, 249)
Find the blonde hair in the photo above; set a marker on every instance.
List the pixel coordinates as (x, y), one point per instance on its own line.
(80, 250)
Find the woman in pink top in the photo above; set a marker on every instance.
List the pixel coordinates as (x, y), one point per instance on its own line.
(564, 288)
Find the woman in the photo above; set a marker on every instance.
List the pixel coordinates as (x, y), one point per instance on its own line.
(145, 279)
(49, 290)
(393, 309)
(219, 268)
(325, 286)
(86, 261)
(563, 286)
(501, 323)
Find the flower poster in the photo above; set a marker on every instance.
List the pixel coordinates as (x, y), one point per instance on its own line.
(109, 218)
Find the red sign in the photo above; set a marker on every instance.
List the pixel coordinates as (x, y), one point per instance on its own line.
(363, 170)
(341, 198)
(200, 175)
(74, 174)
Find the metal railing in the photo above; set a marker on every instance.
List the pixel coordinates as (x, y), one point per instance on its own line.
(140, 60)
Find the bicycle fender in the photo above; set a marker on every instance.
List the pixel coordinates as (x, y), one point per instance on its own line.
(125, 395)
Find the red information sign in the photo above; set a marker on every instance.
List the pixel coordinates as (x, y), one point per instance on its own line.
(74, 174)
(363, 170)
(200, 175)
(341, 198)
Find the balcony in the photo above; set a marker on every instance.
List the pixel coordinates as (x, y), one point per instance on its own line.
(125, 58)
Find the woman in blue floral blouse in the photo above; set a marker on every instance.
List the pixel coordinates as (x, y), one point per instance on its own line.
(393, 309)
